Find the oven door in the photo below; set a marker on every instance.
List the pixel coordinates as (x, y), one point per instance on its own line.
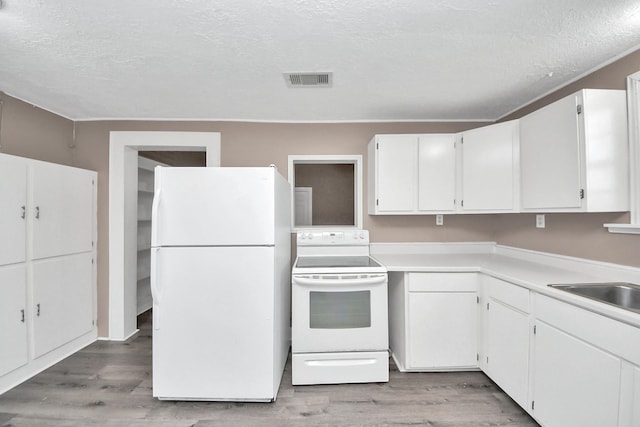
(337, 313)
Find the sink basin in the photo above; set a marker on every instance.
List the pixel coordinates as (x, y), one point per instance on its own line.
(620, 294)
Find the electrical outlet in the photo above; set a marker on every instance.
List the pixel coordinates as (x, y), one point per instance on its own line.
(439, 219)
(540, 221)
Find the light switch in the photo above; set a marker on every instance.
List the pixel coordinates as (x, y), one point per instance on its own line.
(540, 221)
(439, 219)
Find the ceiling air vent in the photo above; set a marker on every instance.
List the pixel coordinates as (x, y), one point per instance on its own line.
(309, 79)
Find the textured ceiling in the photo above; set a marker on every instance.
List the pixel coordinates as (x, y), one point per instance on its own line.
(224, 59)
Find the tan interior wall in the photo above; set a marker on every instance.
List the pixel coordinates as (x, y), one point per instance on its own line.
(35, 133)
(29, 131)
(580, 235)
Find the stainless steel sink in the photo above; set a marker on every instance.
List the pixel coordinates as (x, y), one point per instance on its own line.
(620, 294)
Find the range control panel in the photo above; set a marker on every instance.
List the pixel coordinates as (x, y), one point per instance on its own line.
(332, 238)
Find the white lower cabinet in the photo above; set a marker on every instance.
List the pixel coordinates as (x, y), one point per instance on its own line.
(13, 330)
(507, 336)
(631, 415)
(433, 321)
(574, 383)
(583, 367)
(563, 364)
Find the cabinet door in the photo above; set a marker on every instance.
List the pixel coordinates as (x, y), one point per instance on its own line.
(436, 172)
(550, 156)
(13, 202)
(13, 328)
(575, 384)
(507, 347)
(62, 300)
(396, 172)
(488, 156)
(62, 211)
(442, 330)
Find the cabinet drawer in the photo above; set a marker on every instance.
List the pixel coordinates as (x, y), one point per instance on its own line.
(442, 282)
(508, 293)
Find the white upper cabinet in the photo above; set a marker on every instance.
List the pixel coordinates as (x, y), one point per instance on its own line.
(489, 172)
(13, 204)
(436, 173)
(574, 154)
(411, 174)
(62, 210)
(394, 158)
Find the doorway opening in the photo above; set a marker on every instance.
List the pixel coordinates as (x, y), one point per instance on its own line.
(124, 148)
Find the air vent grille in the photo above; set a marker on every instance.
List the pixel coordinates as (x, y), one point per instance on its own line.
(308, 79)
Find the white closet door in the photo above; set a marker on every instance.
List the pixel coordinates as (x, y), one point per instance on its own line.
(62, 300)
(13, 202)
(13, 327)
(62, 210)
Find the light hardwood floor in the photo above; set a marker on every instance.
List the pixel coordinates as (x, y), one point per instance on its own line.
(109, 384)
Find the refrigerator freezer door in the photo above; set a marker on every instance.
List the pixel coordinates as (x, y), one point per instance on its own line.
(213, 336)
(214, 207)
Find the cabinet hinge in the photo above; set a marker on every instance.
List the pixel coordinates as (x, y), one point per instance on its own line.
(462, 140)
(533, 404)
(477, 300)
(92, 260)
(462, 203)
(534, 329)
(478, 357)
(377, 145)
(487, 306)
(487, 360)
(579, 109)
(93, 182)
(377, 202)
(582, 193)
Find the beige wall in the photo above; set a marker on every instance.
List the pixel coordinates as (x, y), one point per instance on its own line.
(579, 235)
(31, 132)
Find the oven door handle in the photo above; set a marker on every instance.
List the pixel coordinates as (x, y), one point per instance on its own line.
(376, 280)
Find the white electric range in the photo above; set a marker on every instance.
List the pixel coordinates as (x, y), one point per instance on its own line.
(339, 310)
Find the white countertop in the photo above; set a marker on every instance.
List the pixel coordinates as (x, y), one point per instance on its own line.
(532, 270)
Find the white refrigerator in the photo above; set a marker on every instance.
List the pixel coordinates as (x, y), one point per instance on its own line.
(220, 280)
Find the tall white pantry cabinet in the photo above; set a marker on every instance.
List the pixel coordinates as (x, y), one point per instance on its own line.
(48, 237)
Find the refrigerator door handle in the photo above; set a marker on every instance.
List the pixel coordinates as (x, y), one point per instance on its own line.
(155, 287)
(155, 205)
